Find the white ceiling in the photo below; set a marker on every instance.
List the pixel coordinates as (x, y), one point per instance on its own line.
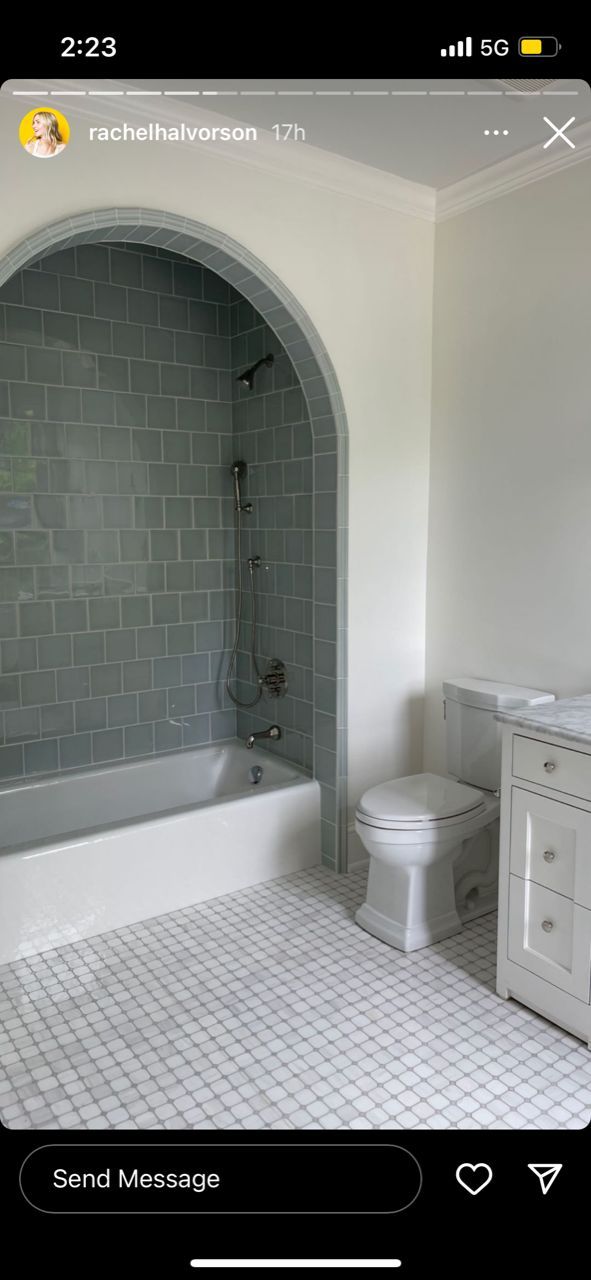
(436, 139)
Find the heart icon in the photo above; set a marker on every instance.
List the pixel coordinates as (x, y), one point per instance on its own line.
(476, 1177)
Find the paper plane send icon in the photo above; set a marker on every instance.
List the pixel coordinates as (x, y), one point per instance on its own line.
(547, 1173)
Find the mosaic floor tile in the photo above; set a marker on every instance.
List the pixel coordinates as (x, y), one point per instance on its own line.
(270, 1009)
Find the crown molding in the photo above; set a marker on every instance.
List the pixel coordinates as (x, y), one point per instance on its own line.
(509, 175)
(304, 163)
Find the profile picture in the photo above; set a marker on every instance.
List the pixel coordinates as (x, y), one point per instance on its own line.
(44, 133)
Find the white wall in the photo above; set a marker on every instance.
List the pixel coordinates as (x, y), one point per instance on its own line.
(364, 275)
(509, 560)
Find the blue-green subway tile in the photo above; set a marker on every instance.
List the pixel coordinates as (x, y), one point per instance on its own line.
(139, 739)
(128, 339)
(48, 439)
(126, 269)
(326, 548)
(146, 445)
(87, 580)
(165, 608)
(29, 476)
(223, 725)
(8, 621)
(73, 683)
(102, 614)
(176, 446)
(195, 730)
(180, 638)
(82, 441)
(136, 612)
(57, 719)
(100, 477)
(191, 415)
(67, 546)
(137, 675)
(167, 735)
(91, 714)
(144, 379)
(130, 409)
(151, 642)
(120, 644)
(38, 687)
(67, 477)
(21, 725)
(115, 443)
(195, 606)
(159, 343)
(325, 694)
(23, 324)
(179, 575)
(117, 514)
(102, 547)
(105, 679)
(162, 478)
(149, 513)
(132, 478)
(89, 647)
(36, 619)
(107, 744)
(95, 335)
(149, 578)
(167, 672)
(111, 302)
(84, 512)
(11, 762)
(122, 709)
(9, 693)
(7, 554)
(18, 655)
(181, 701)
(54, 651)
(161, 412)
(152, 704)
(75, 751)
(119, 579)
(14, 438)
(76, 296)
(41, 756)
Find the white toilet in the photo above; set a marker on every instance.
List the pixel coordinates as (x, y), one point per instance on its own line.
(433, 842)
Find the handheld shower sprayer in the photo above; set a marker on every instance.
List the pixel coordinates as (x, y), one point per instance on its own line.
(238, 471)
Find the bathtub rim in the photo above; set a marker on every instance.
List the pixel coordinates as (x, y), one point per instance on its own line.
(104, 828)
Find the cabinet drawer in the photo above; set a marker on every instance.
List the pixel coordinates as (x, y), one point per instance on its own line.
(557, 767)
(551, 844)
(551, 936)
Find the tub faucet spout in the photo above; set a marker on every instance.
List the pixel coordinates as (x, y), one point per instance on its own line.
(273, 732)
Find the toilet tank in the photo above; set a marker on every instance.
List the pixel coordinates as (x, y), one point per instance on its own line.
(473, 736)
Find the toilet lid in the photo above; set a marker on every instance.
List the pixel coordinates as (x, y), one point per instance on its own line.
(422, 797)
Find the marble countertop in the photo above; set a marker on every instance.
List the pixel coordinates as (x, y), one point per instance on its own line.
(567, 718)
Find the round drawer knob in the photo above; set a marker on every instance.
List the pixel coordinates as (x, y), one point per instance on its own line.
(549, 766)
(549, 855)
(547, 926)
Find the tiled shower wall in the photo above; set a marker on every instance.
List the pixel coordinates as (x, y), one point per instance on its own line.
(115, 545)
(272, 434)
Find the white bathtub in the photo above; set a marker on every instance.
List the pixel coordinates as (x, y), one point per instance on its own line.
(93, 850)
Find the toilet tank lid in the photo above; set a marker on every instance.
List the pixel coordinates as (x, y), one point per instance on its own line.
(492, 695)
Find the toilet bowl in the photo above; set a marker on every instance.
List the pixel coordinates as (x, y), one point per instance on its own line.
(433, 842)
(416, 829)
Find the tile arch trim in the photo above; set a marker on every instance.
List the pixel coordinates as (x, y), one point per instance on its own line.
(288, 319)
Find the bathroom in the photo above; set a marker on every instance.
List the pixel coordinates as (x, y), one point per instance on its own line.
(410, 520)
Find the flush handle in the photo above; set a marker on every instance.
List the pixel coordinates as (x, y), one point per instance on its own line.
(549, 766)
(549, 855)
(547, 926)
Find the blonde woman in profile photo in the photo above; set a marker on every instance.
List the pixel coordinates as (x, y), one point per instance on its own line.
(48, 140)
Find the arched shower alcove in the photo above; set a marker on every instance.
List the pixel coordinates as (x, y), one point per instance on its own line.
(294, 330)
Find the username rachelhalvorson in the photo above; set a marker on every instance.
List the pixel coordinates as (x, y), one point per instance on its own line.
(154, 132)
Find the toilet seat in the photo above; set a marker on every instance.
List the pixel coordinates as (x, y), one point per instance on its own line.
(420, 802)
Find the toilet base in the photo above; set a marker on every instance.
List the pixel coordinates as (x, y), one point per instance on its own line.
(409, 937)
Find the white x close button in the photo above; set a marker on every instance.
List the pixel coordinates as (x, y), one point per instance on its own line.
(559, 132)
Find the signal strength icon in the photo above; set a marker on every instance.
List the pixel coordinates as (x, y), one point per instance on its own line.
(463, 49)
(547, 1174)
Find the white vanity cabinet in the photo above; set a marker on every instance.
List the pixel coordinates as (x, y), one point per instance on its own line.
(544, 941)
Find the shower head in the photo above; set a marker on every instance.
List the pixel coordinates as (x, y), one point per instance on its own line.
(247, 378)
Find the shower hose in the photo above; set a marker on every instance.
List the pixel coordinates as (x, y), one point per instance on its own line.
(238, 702)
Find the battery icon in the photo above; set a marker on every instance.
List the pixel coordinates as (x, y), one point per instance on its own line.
(538, 46)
